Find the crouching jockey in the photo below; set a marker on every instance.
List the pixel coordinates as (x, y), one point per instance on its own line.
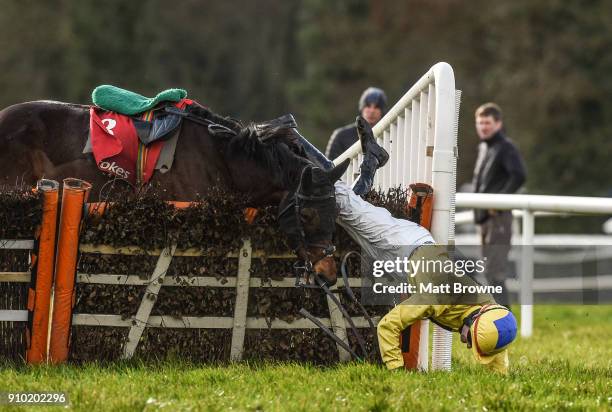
(484, 326)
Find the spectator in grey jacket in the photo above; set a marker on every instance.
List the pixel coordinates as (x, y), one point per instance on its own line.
(499, 169)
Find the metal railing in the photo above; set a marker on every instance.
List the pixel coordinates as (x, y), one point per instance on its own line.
(530, 206)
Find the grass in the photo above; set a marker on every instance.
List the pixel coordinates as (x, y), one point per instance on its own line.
(566, 365)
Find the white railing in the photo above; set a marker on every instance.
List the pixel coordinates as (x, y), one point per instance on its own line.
(530, 205)
(420, 134)
(15, 315)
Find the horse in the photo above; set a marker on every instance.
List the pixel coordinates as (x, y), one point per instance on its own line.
(45, 139)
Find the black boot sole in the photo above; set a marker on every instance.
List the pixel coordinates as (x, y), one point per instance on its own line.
(368, 142)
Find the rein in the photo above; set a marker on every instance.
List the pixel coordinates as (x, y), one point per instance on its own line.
(213, 127)
(304, 271)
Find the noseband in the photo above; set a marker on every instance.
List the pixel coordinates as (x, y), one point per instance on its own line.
(304, 268)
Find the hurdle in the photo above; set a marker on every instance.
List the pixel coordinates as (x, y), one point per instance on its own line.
(68, 277)
(39, 277)
(74, 195)
(242, 282)
(420, 134)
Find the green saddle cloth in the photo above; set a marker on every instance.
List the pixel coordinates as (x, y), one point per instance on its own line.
(126, 102)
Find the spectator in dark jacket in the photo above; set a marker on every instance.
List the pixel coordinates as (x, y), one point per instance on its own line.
(372, 106)
(499, 169)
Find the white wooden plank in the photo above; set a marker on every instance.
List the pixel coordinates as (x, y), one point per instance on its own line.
(407, 146)
(422, 149)
(431, 121)
(205, 322)
(260, 323)
(13, 315)
(195, 281)
(338, 326)
(378, 177)
(141, 319)
(242, 300)
(385, 171)
(20, 277)
(393, 144)
(399, 150)
(16, 244)
(423, 357)
(192, 252)
(414, 142)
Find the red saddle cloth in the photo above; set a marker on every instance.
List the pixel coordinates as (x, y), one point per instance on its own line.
(117, 149)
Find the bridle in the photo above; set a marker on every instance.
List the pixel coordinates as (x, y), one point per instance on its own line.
(304, 270)
(304, 267)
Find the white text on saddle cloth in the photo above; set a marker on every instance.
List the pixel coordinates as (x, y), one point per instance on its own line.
(114, 168)
(109, 124)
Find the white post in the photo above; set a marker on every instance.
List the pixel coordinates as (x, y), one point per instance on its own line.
(526, 290)
(242, 300)
(141, 319)
(338, 326)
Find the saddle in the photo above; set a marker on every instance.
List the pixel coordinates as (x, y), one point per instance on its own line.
(151, 115)
(116, 99)
(156, 124)
(131, 135)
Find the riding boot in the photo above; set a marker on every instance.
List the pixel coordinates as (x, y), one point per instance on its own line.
(374, 157)
(367, 170)
(368, 142)
(313, 154)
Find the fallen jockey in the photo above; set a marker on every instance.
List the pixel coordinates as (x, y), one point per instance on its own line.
(485, 327)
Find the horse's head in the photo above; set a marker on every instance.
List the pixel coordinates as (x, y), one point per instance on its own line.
(266, 163)
(307, 216)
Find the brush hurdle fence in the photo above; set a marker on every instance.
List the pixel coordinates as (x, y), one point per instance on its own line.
(420, 134)
(242, 282)
(39, 278)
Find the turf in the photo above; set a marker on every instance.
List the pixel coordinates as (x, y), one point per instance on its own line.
(566, 365)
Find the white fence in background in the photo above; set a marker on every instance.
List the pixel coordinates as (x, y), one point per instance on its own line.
(420, 134)
(530, 206)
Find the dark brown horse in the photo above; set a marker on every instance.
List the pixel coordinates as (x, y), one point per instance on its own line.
(46, 139)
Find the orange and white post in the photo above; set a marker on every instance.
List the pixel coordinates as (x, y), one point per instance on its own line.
(39, 297)
(74, 197)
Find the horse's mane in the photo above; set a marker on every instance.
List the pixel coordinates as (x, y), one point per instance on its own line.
(273, 149)
(276, 153)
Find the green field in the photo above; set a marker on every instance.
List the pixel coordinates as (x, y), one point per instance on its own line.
(566, 365)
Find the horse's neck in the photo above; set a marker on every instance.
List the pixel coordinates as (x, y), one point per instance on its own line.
(260, 183)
